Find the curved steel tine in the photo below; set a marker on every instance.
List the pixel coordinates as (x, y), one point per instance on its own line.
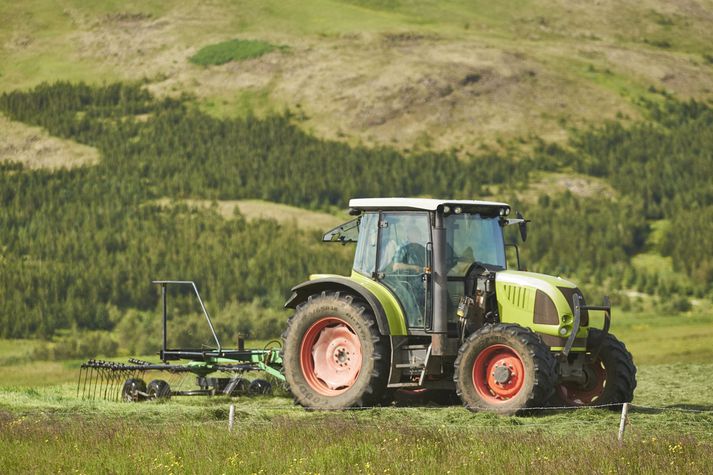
(79, 382)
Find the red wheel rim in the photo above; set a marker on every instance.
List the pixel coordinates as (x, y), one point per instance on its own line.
(330, 356)
(575, 394)
(498, 373)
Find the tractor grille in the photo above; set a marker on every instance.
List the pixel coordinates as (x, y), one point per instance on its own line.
(518, 296)
(568, 294)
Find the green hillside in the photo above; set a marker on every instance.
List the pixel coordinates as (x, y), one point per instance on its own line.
(141, 212)
(422, 73)
(594, 119)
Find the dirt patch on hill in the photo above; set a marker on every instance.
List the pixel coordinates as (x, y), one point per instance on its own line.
(136, 44)
(412, 90)
(35, 148)
(555, 183)
(258, 209)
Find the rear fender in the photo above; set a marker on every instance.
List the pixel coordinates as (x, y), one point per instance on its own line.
(301, 292)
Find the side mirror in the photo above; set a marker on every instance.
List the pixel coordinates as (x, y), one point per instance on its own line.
(522, 226)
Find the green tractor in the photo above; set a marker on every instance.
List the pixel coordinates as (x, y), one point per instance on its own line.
(431, 306)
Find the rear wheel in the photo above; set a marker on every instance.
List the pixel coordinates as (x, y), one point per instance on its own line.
(334, 356)
(505, 369)
(610, 379)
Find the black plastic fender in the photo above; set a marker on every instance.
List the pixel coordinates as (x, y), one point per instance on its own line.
(302, 291)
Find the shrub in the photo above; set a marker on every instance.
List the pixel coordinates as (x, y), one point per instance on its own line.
(231, 50)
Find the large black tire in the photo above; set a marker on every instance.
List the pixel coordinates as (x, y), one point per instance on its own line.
(159, 389)
(352, 318)
(611, 379)
(132, 388)
(504, 368)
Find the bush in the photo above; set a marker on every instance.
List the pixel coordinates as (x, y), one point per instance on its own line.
(78, 344)
(681, 305)
(231, 50)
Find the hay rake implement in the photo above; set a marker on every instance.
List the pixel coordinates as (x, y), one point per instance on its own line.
(216, 370)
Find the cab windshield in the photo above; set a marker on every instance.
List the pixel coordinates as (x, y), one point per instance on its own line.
(472, 237)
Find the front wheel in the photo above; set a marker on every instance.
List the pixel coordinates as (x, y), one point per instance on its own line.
(334, 356)
(610, 379)
(504, 368)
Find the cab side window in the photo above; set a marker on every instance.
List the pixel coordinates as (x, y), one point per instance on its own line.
(365, 254)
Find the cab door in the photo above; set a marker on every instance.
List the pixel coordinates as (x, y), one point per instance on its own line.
(402, 262)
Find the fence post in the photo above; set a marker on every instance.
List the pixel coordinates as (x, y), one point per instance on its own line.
(231, 418)
(622, 423)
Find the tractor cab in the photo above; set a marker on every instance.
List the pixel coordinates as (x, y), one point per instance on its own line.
(395, 246)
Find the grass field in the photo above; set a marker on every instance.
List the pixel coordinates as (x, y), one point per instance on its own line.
(45, 427)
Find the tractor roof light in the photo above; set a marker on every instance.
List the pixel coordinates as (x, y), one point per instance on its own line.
(458, 210)
(504, 211)
(446, 209)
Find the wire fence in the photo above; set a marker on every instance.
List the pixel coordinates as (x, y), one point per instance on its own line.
(617, 418)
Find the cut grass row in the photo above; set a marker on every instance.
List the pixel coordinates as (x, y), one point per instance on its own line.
(651, 337)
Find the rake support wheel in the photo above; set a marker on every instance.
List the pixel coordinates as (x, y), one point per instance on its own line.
(159, 389)
(504, 368)
(334, 356)
(133, 390)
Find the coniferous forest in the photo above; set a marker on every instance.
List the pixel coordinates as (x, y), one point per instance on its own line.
(79, 247)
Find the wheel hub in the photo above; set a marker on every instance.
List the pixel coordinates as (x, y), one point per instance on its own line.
(498, 373)
(341, 356)
(501, 374)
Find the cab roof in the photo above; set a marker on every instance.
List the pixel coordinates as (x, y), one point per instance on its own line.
(425, 204)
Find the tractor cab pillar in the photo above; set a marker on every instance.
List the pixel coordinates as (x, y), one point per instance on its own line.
(439, 277)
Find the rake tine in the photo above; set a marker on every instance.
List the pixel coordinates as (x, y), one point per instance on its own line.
(123, 375)
(115, 382)
(87, 375)
(109, 378)
(117, 388)
(110, 381)
(92, 383)
(79, 382)
(97, 376)
(100, 384)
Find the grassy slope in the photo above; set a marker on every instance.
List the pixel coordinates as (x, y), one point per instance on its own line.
(382, 72)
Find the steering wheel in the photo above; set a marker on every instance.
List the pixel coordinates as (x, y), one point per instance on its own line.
(471, 275)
